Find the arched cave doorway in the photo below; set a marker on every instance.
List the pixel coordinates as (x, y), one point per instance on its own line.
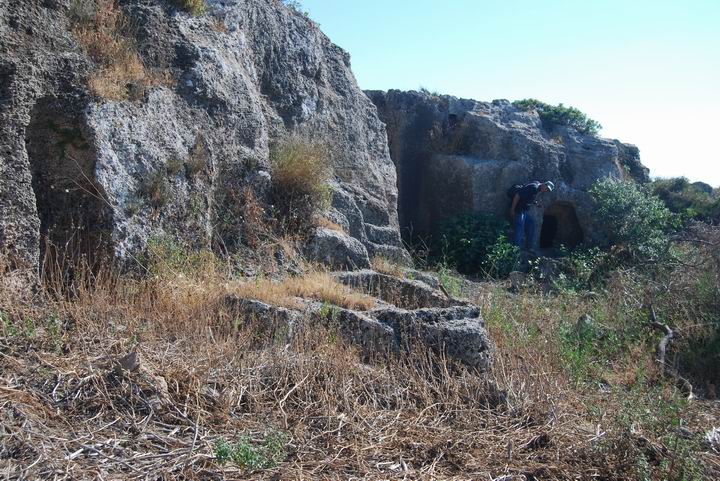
(560, 226)
(73, 211)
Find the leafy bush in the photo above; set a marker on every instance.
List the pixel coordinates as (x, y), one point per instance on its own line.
(583, 269)
(300, 171)
(690, 200)
(637, 221)
(502, 258)
(552, 115)
(466, 241)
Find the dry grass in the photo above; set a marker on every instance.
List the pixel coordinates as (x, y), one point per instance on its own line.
(120, 74)
(69, 412)
(315, 285)
(326, 223)
(300, 172)
(384, 265)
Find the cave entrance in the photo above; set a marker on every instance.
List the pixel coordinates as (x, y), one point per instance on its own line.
(560, 226)
(73, 211)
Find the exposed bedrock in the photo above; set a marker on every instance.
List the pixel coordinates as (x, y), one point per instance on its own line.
(110, 175)
(456, 155)
(410, 315)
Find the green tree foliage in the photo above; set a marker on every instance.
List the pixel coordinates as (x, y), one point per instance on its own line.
(466, 242)
(690, 200)
(637, 221)
(552, 115)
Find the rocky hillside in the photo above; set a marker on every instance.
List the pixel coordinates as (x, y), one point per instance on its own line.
(136, 120)
(456, 155)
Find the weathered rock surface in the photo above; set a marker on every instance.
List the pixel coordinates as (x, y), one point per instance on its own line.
(456, 155)
(171, 161)
(410, 316)
(337, 250)
(404, 293)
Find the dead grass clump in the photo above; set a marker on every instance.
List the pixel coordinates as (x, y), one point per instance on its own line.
(314, 285)
(300, 171)
(384, 265)
(102, 30)
(322, 221)
(255, 227)
(155, 189)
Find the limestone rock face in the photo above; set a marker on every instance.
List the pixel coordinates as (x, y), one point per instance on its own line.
(456, 155)
(337, 250)
(173, 159)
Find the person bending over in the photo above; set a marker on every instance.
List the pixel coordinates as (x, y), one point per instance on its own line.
(523, 223)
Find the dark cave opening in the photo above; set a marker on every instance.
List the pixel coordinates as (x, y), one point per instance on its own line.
(560, 226)
(73, 211)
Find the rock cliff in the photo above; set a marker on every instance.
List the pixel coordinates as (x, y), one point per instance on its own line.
(168, 151)
(456, 155)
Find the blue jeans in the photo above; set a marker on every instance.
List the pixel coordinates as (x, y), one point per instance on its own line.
(523, 230)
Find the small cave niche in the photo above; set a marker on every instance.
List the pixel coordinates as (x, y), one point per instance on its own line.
(72, 207)
(560, 226)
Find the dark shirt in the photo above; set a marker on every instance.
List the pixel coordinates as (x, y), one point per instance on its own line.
(527, 196)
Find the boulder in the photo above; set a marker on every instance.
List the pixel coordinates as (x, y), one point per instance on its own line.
(458, 332)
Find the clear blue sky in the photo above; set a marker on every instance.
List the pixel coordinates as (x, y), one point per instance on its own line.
(648, 70)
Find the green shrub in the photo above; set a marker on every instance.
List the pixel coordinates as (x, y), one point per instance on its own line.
(250, 455)
(637, 221)
(465, 241)
(583, 269)
(552, 115)
(690, 200)
(502, 258)
(300, 172)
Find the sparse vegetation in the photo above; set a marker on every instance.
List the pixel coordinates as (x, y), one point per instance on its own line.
(250, 455)
(296, 5)
(174, 166)
(300, 172)
(552, 115)
(155, 189)
(197, 160)
(315, 285)
(103, 32)
(322, 221)
(193, 7)
(386, 266)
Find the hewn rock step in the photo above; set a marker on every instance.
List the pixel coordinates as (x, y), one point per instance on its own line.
(433, 321)
(404, 293)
